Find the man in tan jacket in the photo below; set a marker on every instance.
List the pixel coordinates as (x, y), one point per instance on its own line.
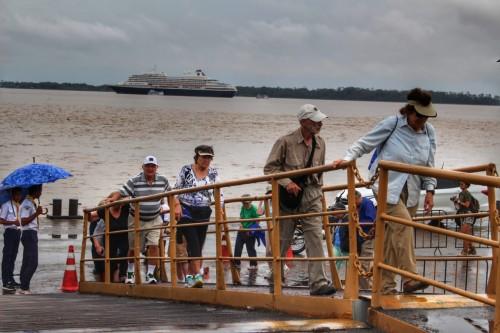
(297, 150)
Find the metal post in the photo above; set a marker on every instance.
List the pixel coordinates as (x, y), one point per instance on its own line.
(173, 241)
(493, 286)
(277, 264)
(56, 207)
(379, 237)
(84, 246)
(161, 267)
(220, 283)
(329, 246)
(269, 223)
(235, 275)
(352, 280)
(73, 207)
(107, 268)
(492, 281)
(137, 244)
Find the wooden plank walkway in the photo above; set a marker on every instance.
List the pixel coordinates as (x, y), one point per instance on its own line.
(98, 313)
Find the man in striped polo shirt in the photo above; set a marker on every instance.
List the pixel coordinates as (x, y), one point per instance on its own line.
(147, 182)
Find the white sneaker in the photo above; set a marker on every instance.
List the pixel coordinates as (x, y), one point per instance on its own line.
(150, 279)
(189, 281)
(130, 279)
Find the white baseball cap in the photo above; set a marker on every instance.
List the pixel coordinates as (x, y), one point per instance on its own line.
(150, 160)
(309, 111)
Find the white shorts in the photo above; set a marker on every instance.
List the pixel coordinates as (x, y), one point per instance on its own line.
(148, 237)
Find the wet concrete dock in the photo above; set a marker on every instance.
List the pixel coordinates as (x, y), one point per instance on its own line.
(97, 313)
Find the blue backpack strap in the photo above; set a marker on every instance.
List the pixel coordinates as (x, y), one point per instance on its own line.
(377, 150)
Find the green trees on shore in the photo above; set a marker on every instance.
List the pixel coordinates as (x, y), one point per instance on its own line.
(341, 93)
(362, 94)
(53, 86)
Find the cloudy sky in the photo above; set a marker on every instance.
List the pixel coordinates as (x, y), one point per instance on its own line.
(449, 45)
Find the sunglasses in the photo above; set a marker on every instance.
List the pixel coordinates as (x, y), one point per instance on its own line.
(420, 116)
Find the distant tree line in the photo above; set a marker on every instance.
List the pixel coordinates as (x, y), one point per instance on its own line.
(341, 93)
(362, 94)
(53, 86)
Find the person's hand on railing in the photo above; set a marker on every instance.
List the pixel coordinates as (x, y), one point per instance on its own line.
(108, 201)
(337, 164)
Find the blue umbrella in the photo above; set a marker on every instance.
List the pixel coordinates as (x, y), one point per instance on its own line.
(33, 174)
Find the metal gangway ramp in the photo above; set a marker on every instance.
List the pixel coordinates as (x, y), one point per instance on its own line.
(366, 308)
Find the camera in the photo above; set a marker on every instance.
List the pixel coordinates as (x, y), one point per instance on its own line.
(454, 198)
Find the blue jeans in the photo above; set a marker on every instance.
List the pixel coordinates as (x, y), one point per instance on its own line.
(11, 238)
(29, 238)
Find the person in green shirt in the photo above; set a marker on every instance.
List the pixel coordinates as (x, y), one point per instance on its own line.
(247, 237)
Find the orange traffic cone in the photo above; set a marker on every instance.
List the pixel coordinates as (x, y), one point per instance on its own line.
(225, 250)
(70, 280)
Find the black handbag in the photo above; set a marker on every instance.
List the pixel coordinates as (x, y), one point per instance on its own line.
(195, 213)
(289, 201)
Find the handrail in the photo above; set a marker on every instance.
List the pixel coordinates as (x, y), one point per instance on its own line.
(352, 271)
(439, 173)
(228, 183)
(382, 217)
(441, 231)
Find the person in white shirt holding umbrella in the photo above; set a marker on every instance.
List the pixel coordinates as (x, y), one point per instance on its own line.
(9, 217)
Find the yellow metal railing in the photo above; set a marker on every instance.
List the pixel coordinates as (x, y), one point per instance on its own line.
(382, 217)
(351, 289)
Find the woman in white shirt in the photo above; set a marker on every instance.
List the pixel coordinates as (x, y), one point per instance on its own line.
(405, 138)
(9, 217)
(29, 213)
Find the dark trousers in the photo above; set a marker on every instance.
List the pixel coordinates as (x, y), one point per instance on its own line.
(245, 238)
(195, 237)
(11, 238)
(29, 238)
(98, 264)
(118, 247)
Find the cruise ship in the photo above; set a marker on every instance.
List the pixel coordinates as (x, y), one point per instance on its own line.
(193, 84)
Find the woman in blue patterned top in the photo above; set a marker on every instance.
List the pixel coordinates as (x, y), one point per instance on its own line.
(196, 207)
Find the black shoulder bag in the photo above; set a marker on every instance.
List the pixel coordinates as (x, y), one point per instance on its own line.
(289, 201)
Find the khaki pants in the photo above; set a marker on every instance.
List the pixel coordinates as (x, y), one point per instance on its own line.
(399, 243)
(312, 226)
(366, 251)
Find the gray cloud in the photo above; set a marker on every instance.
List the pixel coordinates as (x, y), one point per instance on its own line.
(445, 45)
(67, 30)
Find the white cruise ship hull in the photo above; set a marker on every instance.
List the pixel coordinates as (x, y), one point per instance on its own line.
(122, 89)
